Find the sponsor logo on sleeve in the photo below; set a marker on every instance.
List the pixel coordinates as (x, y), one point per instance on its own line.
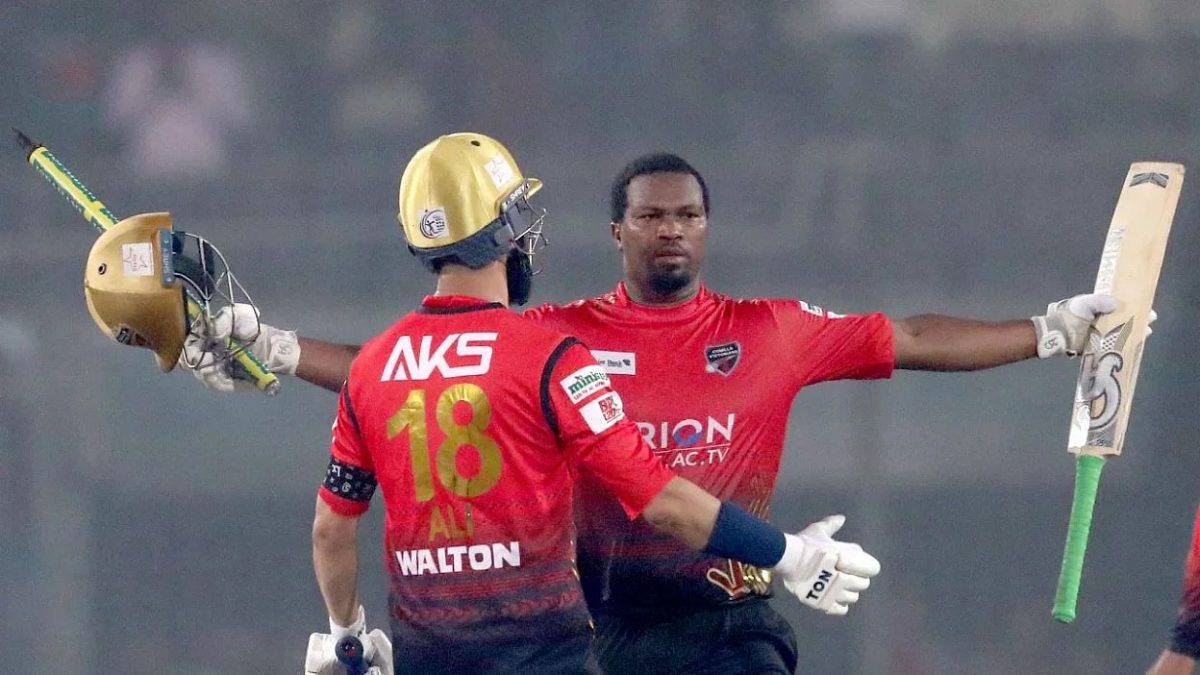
(584, 382)
(616, 363)
(603, 413)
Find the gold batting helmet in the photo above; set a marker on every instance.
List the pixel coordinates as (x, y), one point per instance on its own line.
(131, 288)
(464, 200)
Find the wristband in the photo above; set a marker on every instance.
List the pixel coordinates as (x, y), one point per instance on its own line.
(354, 629)
(738, 535)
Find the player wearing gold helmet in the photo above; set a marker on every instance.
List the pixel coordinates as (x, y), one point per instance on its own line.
(470, 418)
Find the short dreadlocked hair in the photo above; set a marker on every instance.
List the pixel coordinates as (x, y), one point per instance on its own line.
(656, 162)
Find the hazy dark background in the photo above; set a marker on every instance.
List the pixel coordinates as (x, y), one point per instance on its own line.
(898, 155)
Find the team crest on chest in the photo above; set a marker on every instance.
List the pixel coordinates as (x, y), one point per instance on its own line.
(722, 358)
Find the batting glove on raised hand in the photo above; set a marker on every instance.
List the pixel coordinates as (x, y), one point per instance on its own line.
(1063, 330)
(322, 656)
(205, 354)
(824, 573)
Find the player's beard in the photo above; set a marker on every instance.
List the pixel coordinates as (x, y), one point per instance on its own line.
(665, 283)
(519, 271)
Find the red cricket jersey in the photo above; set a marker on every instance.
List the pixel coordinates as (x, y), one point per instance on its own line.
(466, 415)
(1185, 637)
(710, 384)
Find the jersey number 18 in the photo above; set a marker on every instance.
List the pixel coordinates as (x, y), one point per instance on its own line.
(412, 416)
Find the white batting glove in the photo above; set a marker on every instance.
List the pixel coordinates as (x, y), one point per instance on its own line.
(322, 658)
(1063, 330)
(279, 350)
(824, 573)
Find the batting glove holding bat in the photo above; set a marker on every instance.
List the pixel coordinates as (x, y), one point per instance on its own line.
(322, 658)
(1063, 330)
(279, 350)
(824, 573)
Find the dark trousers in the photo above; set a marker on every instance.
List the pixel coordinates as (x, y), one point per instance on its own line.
(745, 638)
(569, 656)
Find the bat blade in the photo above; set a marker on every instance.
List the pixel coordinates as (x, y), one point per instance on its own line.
(1129, 268)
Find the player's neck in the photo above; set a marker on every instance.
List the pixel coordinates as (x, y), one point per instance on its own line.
(489, 283)
(646, 295)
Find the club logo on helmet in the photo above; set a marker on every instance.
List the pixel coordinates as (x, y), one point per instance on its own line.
(433, 223)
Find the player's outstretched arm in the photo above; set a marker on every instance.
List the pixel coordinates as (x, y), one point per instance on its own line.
(588, 419)
(945, 343)
(324, 364)
(823, 573)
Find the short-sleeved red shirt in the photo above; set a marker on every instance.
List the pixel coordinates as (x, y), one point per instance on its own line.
(710, 384)
(467, 416)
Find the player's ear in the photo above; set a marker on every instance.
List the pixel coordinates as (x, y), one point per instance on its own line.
(615, 231)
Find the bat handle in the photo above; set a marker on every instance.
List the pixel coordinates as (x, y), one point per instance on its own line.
(1087, 480)
(266, 381)
(349, 652)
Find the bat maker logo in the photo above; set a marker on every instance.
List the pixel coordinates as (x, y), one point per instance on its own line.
(1159, 179)
(1100, 391)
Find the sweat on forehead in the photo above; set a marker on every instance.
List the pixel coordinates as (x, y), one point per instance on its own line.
(658, 162)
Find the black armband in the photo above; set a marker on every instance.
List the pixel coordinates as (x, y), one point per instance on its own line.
(349, 482)
(741, 536)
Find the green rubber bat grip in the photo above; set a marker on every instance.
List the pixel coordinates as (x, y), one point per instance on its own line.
(1087, 479)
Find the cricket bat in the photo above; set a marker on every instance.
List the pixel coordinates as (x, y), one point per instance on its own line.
(1129, 268)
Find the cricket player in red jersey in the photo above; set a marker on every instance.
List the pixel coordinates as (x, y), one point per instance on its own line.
(470, 418)
(1179, 658)
(710, 380)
